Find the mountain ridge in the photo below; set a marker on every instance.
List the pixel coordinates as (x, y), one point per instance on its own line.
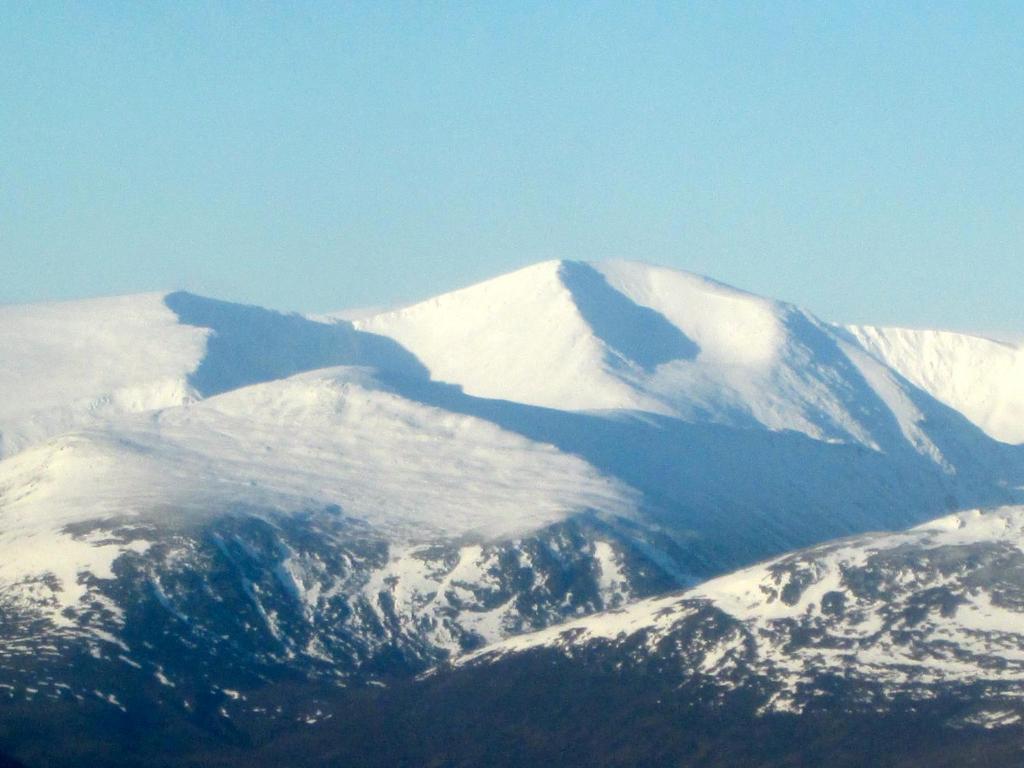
(355, 496)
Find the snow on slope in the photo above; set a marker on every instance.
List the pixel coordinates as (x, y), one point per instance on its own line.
(980, 378)
(333, 437)
(73, 363)
(940, 604)
(623, 335)
(753, 594)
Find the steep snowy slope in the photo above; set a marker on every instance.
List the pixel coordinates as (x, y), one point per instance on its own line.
(980, 378)
(519, 337)
(935, 611)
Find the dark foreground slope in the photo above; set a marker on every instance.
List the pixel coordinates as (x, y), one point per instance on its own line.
(540, 710)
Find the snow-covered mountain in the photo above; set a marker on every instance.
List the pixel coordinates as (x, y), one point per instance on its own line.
(937, 610)
(623, 335)
(207, 495)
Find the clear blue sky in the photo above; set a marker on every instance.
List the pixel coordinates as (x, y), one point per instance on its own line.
(863, 159)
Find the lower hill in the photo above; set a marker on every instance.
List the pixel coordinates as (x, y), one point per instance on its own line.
(901, 649)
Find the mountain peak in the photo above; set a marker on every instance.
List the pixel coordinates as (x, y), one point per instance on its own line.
(583, 335)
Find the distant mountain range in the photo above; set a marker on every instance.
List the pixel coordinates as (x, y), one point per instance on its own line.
(231, 529)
